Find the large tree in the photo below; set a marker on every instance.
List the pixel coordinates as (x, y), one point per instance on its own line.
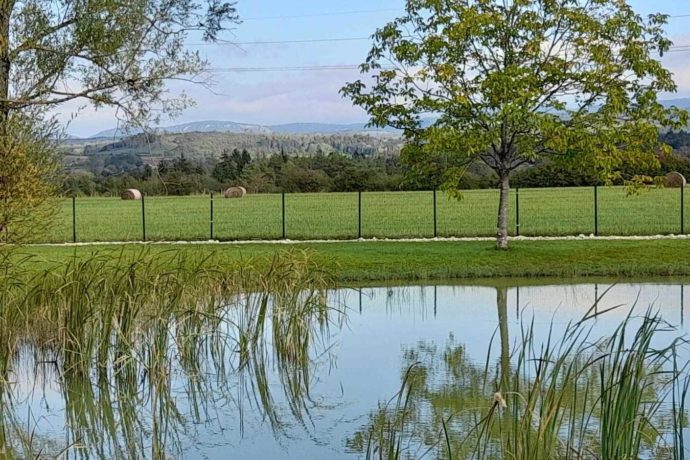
(506, 82)
(107, 53)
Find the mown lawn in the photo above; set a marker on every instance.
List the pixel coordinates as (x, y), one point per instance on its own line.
(360, 261)
(564, 211)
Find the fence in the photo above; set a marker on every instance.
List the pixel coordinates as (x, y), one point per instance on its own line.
(533, 212)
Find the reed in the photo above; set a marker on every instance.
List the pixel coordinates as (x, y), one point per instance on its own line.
(120, 333)
(567, 396)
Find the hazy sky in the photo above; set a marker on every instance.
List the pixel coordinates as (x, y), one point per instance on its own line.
(312, 96)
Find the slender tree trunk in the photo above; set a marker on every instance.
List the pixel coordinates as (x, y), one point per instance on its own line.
(502, 228)
(5, 62)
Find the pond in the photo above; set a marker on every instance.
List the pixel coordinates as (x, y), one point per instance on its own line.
(271, 400)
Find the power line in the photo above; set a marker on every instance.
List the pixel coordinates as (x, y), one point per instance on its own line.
(354, 12)
(316, 40)
(316, 15)
(281, 42)
(285, 68)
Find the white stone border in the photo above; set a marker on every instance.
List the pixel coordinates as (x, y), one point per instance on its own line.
(372, 240)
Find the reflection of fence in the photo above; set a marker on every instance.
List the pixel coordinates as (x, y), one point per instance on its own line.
(533, 212)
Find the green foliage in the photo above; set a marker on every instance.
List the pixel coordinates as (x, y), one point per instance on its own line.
(28, 169)
(231, 166)
(512, 82)
(146, 343)
(110, 174)
(106, 52)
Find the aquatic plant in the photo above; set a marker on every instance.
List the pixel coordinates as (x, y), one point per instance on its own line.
(568, 396)
(123, 334)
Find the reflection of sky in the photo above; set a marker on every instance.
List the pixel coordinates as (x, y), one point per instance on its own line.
(367, 364)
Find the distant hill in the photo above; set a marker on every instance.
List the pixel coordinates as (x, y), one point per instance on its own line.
(683, 103)
(209, 126)
(246, 128)
(200, 145)
(216, 126)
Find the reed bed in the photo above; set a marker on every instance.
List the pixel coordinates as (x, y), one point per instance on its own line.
(122, 334)
(568, 397)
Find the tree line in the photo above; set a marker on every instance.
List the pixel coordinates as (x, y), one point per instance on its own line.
(109, 174)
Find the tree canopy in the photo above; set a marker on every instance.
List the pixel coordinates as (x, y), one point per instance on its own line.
(103, 52)
(107, 52)
(507, 82)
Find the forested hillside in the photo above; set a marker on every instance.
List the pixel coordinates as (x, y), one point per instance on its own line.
(198, 146)
(182, 164)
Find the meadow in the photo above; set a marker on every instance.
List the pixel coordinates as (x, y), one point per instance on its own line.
(542, 212)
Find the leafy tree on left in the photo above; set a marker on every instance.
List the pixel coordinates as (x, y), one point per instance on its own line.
(106, 53)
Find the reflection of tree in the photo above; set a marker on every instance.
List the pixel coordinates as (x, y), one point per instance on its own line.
(565, 397)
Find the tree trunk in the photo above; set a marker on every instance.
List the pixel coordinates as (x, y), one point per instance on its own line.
(5, 63)
(502, 230)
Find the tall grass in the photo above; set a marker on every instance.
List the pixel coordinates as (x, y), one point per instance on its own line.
(123, 334)
(567, 397)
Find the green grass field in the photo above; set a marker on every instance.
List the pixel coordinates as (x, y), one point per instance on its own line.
(383, 261)
(543, 212)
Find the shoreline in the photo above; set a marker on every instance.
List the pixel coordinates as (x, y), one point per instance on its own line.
(425, 260)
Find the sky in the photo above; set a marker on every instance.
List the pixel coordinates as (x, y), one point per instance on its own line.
(312, 96)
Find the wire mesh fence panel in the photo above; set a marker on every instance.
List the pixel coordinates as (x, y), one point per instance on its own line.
(60, 228)
(397, 214)
(184, 218)
(321, 215)
(649, 212)
(253, 217)
(108, 219)
(557, 211)
(475, 214)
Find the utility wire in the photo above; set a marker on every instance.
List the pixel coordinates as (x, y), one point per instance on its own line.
(380, 10)
(316, 40)
(317, 15)
(281, 42)
(289, 68)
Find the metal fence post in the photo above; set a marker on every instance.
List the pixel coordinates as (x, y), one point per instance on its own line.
(435, 216)
(359, 214)
(211, 215)
(596, 210)
(74, 219)
(143, 216)
(682, 210)
(283, 207)
(517, 211)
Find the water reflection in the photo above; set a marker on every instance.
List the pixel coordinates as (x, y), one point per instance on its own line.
(258, 381)
(187, 373)
(571, 395)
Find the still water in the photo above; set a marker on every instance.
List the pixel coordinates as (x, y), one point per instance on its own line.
(356, 364)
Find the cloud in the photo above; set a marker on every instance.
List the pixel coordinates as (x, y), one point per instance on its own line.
(261, 98)
(289, 97)
(282, 98)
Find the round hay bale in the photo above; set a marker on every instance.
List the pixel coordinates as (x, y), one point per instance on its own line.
(675, 180)
(235, 192)
(131, 194)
